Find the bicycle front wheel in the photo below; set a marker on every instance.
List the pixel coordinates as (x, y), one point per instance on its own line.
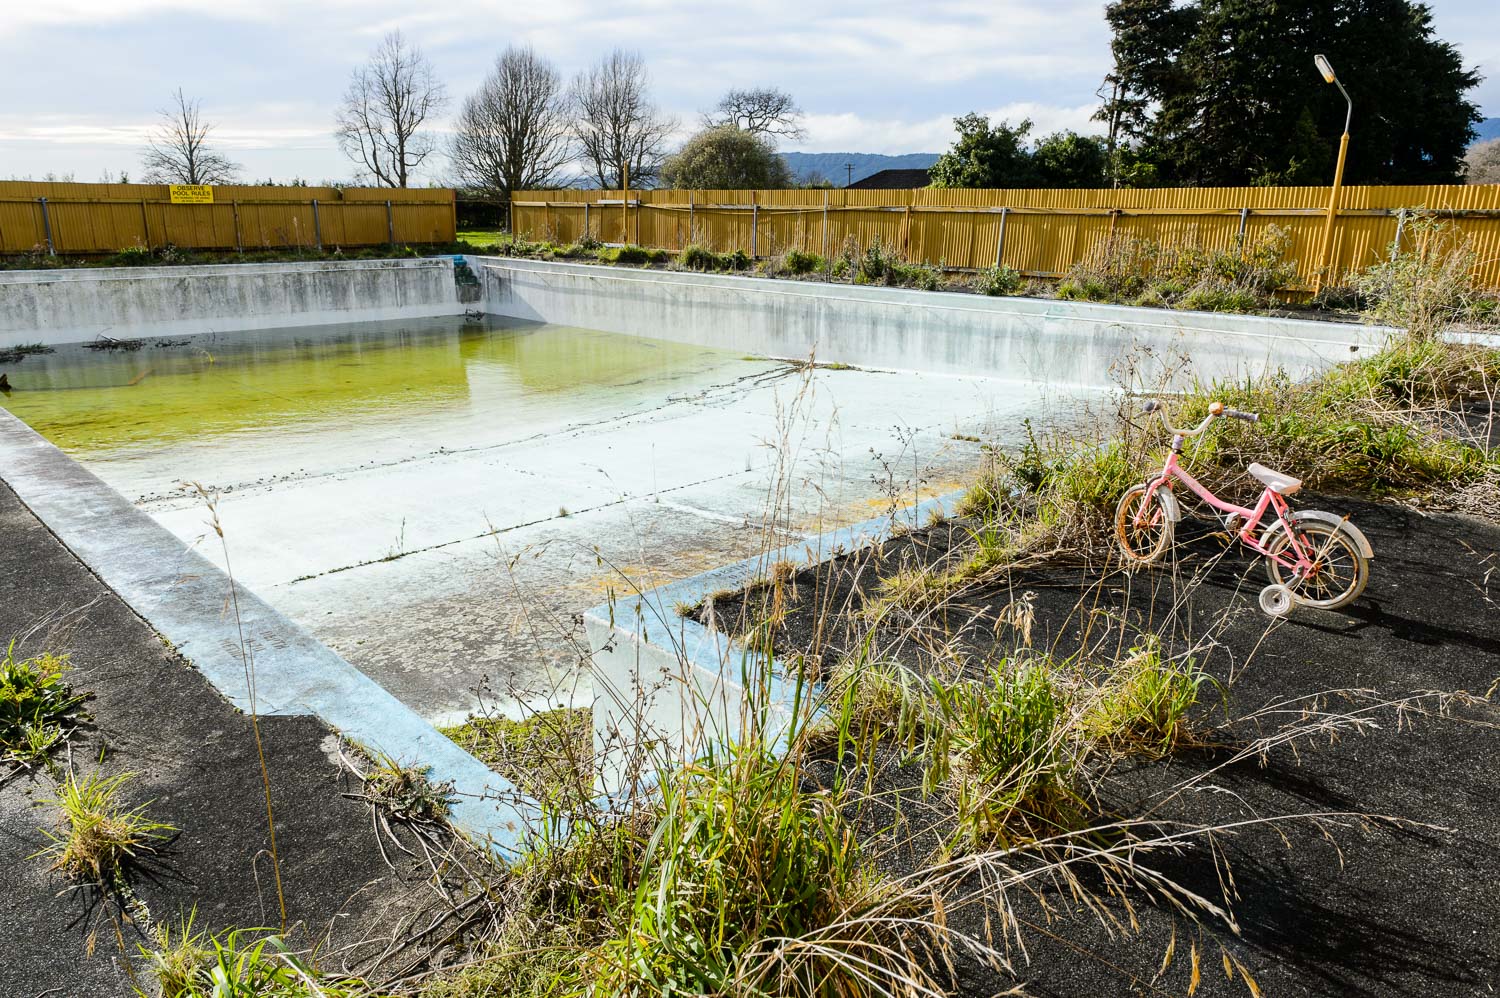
(1339, 569)
(1143, 529)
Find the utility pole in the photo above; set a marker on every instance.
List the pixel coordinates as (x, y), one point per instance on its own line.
(848, 174)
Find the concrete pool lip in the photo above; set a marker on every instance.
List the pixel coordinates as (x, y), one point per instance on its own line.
(902, 329)
(186, 599)
(74, 305)
(645, 652)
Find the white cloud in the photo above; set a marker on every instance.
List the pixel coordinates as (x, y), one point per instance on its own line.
(879, 76)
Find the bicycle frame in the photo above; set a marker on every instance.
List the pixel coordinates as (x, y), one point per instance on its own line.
(1252, 516)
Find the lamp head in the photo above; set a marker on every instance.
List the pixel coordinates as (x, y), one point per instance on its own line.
(1326, 68)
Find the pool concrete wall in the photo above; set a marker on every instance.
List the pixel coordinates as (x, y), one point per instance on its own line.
(188, 601)
(1056, 342)
(75, 305)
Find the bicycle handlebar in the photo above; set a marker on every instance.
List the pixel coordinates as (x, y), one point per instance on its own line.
(1215, 410)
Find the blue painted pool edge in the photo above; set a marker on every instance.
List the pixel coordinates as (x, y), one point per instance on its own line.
(640, 631)
(183, 597)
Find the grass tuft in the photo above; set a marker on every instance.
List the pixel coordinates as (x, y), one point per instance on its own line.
(99, 834)
(1145, 706)
(406, 792)
(37, 706)
(253, 963)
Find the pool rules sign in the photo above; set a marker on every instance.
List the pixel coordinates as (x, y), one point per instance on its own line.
(192, 194)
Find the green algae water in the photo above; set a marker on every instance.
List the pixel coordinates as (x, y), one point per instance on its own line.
(91, 402)
(253, 404)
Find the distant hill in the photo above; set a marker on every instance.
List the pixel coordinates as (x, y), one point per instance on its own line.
(1488, 129)
(830, 165)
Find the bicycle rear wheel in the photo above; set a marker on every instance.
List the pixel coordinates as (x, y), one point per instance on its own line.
(1339, 570)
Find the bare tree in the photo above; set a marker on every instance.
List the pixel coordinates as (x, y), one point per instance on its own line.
(761, 111)
(1483, 163)
(178, 152)
(616, 124)
(381, 122)
(513, 132)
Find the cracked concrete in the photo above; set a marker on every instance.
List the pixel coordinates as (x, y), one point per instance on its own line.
(438, 501)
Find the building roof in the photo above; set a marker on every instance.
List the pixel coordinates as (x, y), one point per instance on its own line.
(891, 180)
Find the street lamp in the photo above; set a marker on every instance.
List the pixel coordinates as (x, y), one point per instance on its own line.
(1329, 76)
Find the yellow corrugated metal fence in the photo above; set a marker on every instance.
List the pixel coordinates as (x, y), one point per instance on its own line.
(1038, 232)
(106, 218)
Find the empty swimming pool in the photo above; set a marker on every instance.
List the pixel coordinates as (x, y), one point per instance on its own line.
(437, 499)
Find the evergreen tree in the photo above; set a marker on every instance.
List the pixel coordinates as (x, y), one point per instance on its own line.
(986, 155)
(1223, 92)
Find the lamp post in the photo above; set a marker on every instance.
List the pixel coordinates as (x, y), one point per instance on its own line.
(1329, 76)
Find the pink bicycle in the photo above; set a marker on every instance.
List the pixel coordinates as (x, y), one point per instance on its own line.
(1314, 558)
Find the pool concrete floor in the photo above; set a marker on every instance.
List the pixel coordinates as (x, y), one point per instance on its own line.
(450, 560)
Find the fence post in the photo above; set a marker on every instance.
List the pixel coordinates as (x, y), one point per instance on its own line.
(1244, 215)
(390, 225)
(754, 226)
(145, 225)
(906, 230)
(692, 207)
(1000, 242)
(317, 226)
(239, 242)
(1400, 227)
(827, 263)
(47, 227)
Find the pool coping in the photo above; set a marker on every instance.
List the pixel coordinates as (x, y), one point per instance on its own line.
(213, 621)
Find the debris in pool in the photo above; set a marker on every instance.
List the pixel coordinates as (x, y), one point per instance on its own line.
(19, 352)
(103, 342)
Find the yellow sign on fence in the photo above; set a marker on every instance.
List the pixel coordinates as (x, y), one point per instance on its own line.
(192, 194)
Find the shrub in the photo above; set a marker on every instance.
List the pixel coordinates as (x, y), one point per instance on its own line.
(874, 265)
(798, 262)
(739, 260)
(998, 281)
(1211, 297)
(626, 255)
(1141, 272)
(922, 276)
(696, 257)
(1429, 285)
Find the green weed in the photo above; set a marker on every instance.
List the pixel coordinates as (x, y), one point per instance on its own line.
(99, 834)
(37, 706)
(547, 754)
(998, 281)
(241, 963)
(1145, 703)
(1007, 740)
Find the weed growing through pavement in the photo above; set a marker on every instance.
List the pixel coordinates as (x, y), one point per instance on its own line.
(239, 962)
(99, 835)
(38, 707)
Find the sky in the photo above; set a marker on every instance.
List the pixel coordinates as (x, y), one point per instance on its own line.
(82, 81)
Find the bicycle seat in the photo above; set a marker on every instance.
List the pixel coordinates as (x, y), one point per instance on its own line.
(1274, 480)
